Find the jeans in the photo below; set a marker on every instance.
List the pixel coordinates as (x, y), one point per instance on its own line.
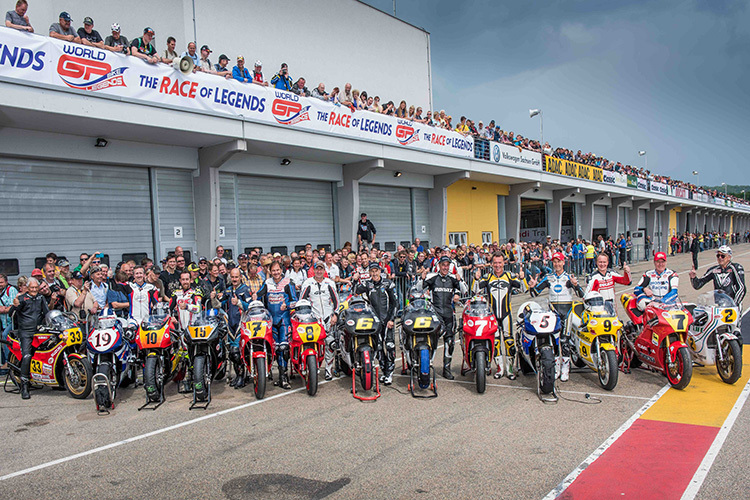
(4, 352)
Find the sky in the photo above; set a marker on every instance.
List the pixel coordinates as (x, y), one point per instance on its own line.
(611, 77)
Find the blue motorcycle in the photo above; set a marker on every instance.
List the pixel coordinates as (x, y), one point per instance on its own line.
(538, 344)
(112, 354)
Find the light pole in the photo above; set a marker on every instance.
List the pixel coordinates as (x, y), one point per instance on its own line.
(743, 195)
(697, 178)
(532, 114)
(645, 158)
(725, 188)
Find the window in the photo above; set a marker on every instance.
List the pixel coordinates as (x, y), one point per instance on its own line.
(568, 214)
(456, 239)
(249, 250)
(486, 237)
(533, 217)
(281, 250)
(9, 267)
(227, 254)
(137, 257)
(390, 246)
(406, 244)
(299, 248)
(40, 261)
(326, 247)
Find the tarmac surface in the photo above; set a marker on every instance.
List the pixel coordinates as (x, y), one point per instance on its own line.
(502, 444)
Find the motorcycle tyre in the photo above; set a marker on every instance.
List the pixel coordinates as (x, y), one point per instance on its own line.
(366, 374)
(686, 362)
(259, 384)
(311, 381)
(481, 373)
(735, 370)
(345, 368)
(200, 374)
(610, 360)
(84, 364)
(577, 361)
(152, 375)
(101, 394)
(546, 370)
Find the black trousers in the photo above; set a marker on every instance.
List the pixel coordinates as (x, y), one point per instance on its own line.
(26, 339)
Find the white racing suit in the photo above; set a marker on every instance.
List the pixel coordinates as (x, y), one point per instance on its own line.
(325, 301)
(664, 287)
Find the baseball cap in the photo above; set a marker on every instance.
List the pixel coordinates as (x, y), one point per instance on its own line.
(725, 250)
(63, 263)
(148, 30)
(444, 258)
(65, 16)
(558, 255)
(258, 63)
(193, 267)
(373, 265)
(88, 20)
(115, 27)
(76, 275)
(320, 264)
(203, 259)
(223, 57)
(93, 269)
(205, 47)
(242, 256)
(37, 273)
(240, 58)
(277, 254)
(363, 214)
(660, 256)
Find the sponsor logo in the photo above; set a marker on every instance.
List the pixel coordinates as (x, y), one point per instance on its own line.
(470, 322)
(407, 322)
(88, 74)
(405, 134)
(496, 153)
(289, 112)
(351, 322)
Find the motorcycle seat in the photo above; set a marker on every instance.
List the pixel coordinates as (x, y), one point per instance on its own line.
(690, 308)
(578, 309)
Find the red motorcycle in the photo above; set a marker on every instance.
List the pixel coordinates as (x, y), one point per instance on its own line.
(257, 345)
(479, 327)
(657, 338)
(307, 345)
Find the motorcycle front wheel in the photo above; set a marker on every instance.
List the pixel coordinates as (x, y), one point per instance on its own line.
(311, 382)
(101, 393)
(608, 370)
(81, 388)
(481, 375)
(366, 372)
(546, 373)
(200, 377)
(259, 383)
(153, 380)
(679, 377)
(730, 370)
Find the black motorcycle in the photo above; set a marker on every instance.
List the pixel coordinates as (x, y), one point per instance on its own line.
(420, 332)
(205, 345)
(361, 330)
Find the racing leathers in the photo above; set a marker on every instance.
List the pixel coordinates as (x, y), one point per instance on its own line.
(275, 295)
(561, 292)
(444, 287)
(30, 313)
(191, 300)
(663, 286)
(381, 295)
(142, 298)
(499, 289)
(605, 283)
(325, 302)
(729, 279)
(234, 313)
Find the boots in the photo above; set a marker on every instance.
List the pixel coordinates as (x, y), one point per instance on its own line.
(285, 381)
(239, 380)
(25, 389)
(447, 368)
(558, 367)
(565, 369)
(500, 368)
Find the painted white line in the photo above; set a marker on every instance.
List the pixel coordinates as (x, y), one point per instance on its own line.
(713, 451)
(147, 435)
(557, 490)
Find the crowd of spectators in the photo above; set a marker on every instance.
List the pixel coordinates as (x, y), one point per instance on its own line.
(143, 47)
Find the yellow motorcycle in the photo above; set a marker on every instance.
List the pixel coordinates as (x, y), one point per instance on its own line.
(594, 329)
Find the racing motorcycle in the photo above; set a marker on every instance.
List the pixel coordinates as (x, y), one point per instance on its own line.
(162, 355)
(420, 332)
(112, 358)
(307, 345)
(204, 339)
(57, 359)
(711, 337)
(361, 333)
(538, 341)
(256, 345)
(594, 330)
(478, 327)
(657, 338)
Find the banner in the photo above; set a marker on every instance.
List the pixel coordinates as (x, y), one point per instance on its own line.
(632, 181)
(616, 178)
(681, 192)
(572, 169)
(642, 184)
(658, 187)
(38, 59)
(512, 156)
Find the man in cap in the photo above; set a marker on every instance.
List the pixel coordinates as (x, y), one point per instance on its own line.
(221, 68)
(321, 292)
(445, 289)
(660, 283)
(258, 74)
(381, 294)
(62, 29)
(116, 42)
(365, 232)
(728, 276)
(204, 63)
(240, 72)
(89, 36)
(142, 47)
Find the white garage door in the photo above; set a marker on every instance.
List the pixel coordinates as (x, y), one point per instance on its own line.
(600, 217)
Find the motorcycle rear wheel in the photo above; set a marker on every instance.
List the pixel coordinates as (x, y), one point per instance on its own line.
(311, 382)
(730, 370)
(546, 372)
(481, 372)
(608, 370)
(680, 377)
(83, 368)
(259, 384)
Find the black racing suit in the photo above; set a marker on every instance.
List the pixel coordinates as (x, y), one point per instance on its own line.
(381, 295)
(729, 279)
(30, 314)
(444, 288)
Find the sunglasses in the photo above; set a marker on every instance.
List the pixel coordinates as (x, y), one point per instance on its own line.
(720, 256)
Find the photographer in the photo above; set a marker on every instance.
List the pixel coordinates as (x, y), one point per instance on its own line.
(282, 80)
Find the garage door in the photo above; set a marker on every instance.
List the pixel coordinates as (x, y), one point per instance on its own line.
(70, 208)
(228, 213)
(176, 210)
(284, 212)
(389, 209)
(622, 221)
(641, 219)
(422, 214)
(600, 217)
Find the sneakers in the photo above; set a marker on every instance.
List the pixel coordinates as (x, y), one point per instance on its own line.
(565, 370)
(388, 379)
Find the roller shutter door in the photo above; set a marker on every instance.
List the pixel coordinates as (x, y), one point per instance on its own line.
(389, 209)
(176, 210)
(622, 221)
(72, 208)
(641, 219)
(284, 212)
(600, 217)
(422, 214)
(228, 213)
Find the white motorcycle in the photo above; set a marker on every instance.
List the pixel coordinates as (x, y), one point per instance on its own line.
(712, 338)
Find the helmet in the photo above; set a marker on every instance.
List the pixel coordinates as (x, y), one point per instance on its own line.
(478, 298)
(594, 301)
(53, 318)
(256, 304)
(416, 293)
(212, 313)
(303, 305)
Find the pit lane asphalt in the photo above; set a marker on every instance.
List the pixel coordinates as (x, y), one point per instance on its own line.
(502, 444)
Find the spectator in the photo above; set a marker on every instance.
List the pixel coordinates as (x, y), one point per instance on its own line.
(347, 98)
(365, 232)
(428, 119)
(7, 293)
(376, 107)
(319, 92)
(389, 109)
(412, 113)
(205, 62)
(334, 96)
(401, 111)
(191, 47)
(282, 80)
(462, 127)
(169, 54)
(300, 89)
(356, 100)
(221, 68)
(18, 20)
(220, 255)
(258, 74)
(418, 115)
(89, 36)
(98, 289)
(75, 295)
(116, 42)
(142, 47)
(240, 72)
(369, 104)
(62, 30)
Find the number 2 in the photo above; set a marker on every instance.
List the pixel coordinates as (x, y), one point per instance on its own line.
(729, 316)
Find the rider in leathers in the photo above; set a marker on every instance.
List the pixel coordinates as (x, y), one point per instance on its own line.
(728, 276)
(603, 280)
(561, 286)
(277, 293)
(321, 292)
(381, 294)
(445, 290)
(234, 301)
(30, 309)
(498, 286)
(658, 283)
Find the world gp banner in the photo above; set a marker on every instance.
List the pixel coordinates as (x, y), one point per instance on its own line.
(658, 187)
(512, 156)
(35, 59)
(572, 169)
